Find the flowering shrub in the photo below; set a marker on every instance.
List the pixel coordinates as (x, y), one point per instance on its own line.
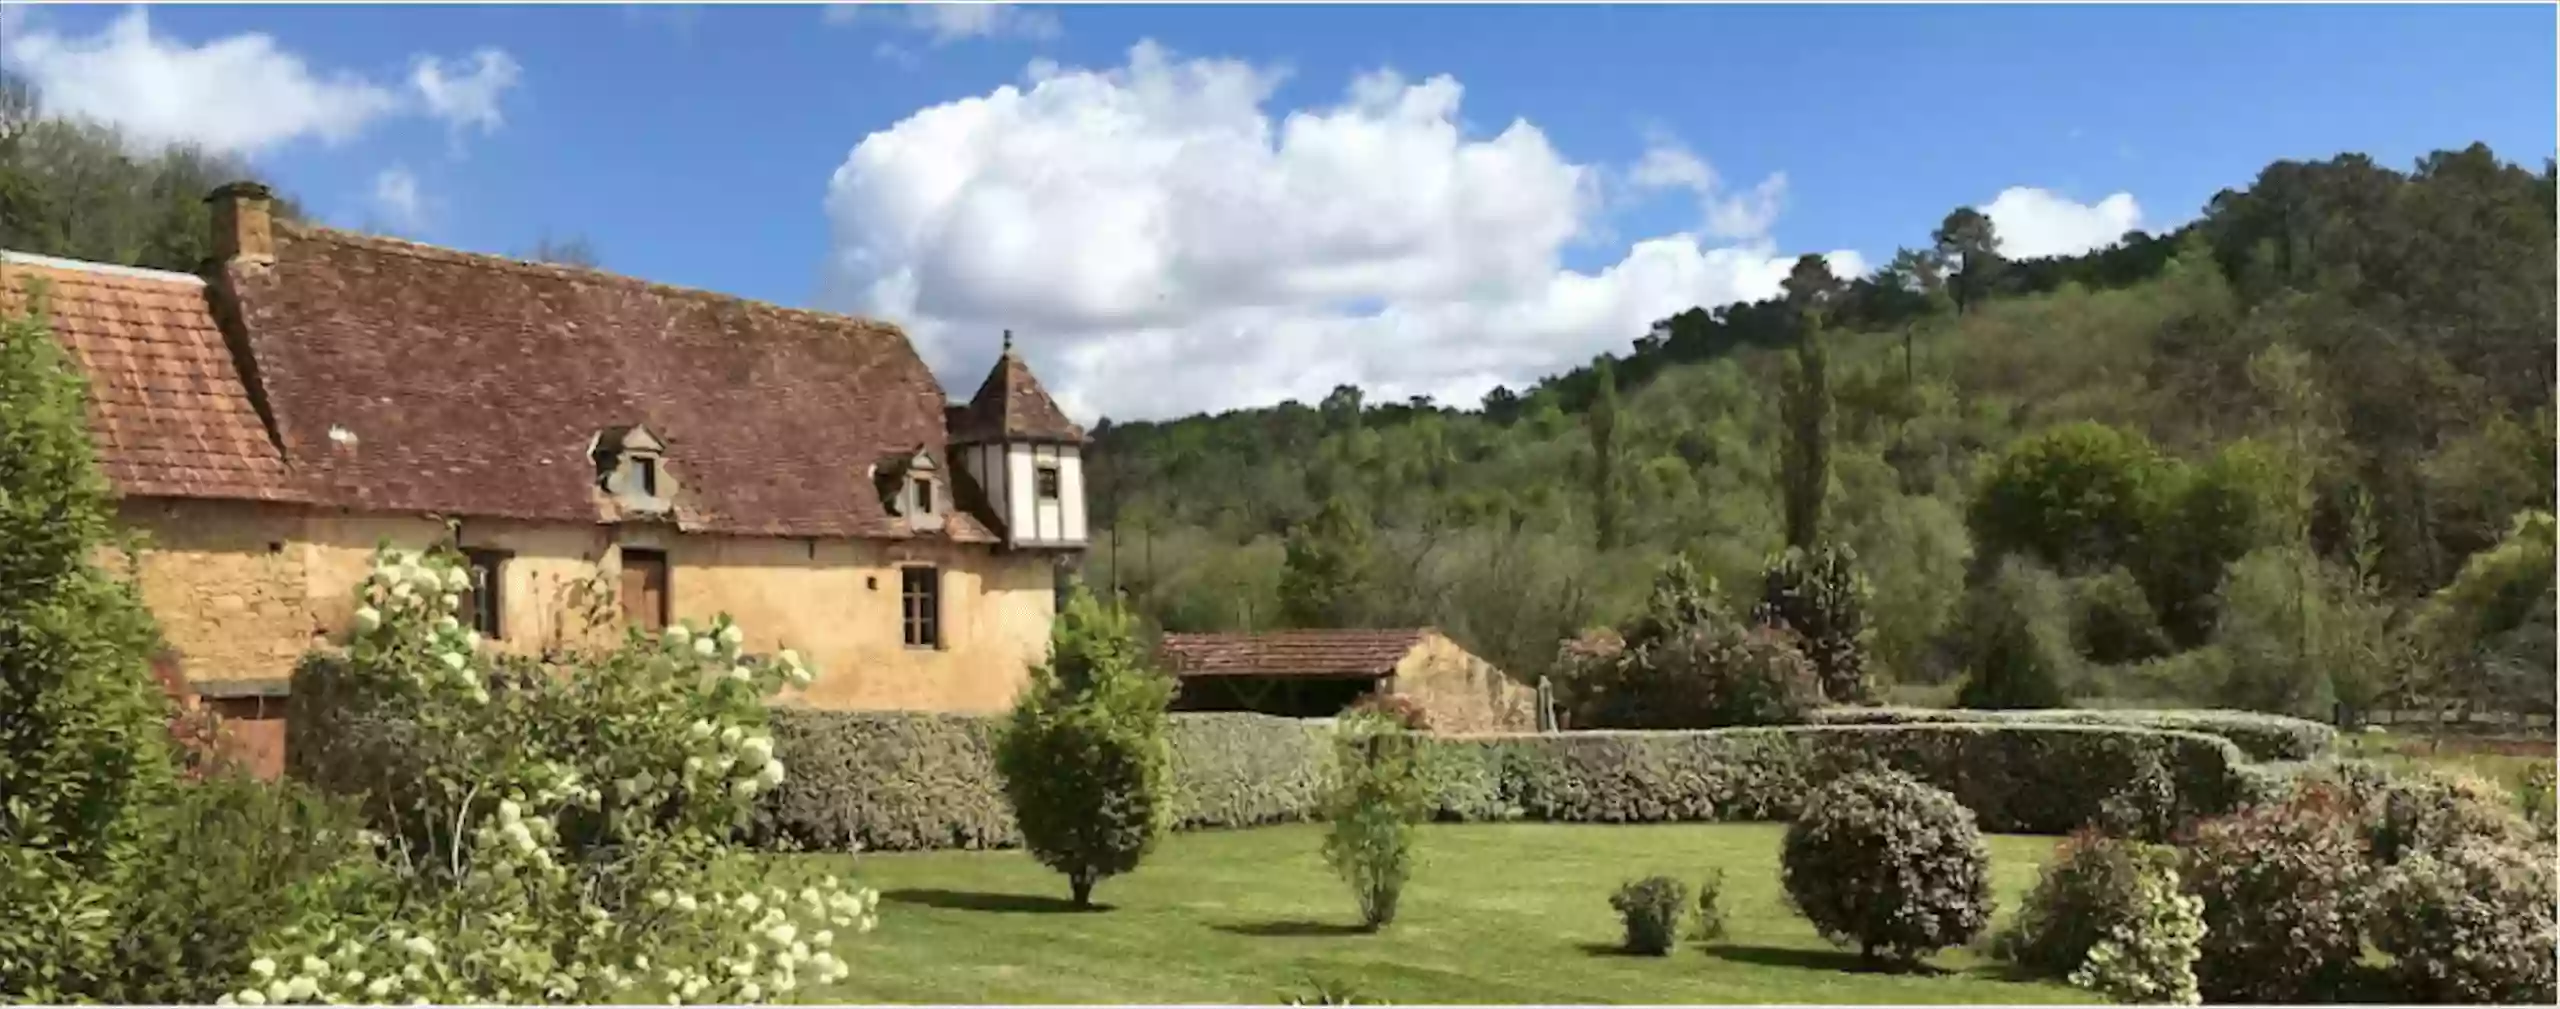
(554, 835)
(1884, 861)
(1381, 788)
(2470, 922)
(1651, 909)
(2434, 810)
(2149, 958)
(2107, 914)
(2283, 886)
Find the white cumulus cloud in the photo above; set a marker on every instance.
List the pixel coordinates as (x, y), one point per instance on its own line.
(2035, 222)
(240, 94)
(395, 194)
(953, 22)
(468, 96)
(1162, 243)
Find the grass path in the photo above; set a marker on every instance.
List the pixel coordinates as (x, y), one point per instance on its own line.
(1501, 913)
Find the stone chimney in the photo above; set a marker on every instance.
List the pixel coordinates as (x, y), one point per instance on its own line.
(243, 229)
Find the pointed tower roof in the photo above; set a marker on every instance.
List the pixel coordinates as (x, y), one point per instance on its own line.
(1011, 406)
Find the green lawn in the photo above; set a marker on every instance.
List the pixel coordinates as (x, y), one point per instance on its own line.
(1496, 913)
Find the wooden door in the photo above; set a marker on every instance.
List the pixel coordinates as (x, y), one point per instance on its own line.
(644, 589)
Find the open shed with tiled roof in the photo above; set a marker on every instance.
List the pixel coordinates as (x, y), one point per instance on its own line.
(1318, 673)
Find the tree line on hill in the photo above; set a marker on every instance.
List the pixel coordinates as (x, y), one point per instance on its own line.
(2296, 453)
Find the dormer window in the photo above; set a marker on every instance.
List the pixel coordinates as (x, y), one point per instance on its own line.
(910, 485)
(631, 470)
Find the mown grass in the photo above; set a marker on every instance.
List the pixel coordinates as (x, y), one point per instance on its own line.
(1496, 913)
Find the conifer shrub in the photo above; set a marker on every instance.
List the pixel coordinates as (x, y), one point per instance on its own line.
(1084, 757)
(1821, 596)
(1882, 861)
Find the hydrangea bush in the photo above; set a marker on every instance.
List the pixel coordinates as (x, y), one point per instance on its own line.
(557, 833)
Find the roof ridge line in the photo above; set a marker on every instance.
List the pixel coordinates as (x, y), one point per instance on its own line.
(431, 252)
(106, 269)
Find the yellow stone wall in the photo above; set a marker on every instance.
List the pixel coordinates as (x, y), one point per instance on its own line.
(241, 590)
(1463, 693)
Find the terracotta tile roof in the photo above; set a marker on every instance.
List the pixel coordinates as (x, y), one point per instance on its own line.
(405, 377)
(1317, 653)
(1011, 406)
(167, 409)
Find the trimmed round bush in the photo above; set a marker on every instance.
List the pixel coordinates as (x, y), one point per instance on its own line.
(1651, 908)
(2282, 885)
(2469, 922)
(1881, 861)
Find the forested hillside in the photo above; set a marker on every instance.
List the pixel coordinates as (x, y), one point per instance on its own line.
(2244, 460)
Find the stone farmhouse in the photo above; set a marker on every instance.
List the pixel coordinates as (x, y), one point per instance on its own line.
(604, 450)
(1317, 673)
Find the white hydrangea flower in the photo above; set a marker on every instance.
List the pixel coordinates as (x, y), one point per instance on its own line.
(701, 728)
(750, 992)
(472, 640)
(452, 660)
(704, 647)
(730, 736)
(771, 776)
(251, 996)
(419, 945)
(450, 601)
(457, 579)
(380, 987)
(678, 635)
(509, 812)
(368, 619)
(789, 658)
(732, 636)
(748, 903)
(262, 967)
(315, 966)
(686, 903)
(448, 623)
(741, 673)
(800, 676)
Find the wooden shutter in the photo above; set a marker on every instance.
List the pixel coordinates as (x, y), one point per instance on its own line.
(644, 589)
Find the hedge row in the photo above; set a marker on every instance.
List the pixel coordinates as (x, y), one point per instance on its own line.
(2037, 779)
(899, 781)
(2261, 736)
(895, 781)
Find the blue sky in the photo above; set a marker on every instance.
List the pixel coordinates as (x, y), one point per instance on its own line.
(1167, 241)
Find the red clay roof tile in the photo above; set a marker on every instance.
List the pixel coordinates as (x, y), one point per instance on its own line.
(170, 416)
(1305, 653)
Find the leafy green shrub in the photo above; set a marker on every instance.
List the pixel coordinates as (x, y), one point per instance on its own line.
(1379, 793)
(2283, 887)
(1404, 710)
(1821, 595)
(83, 737)
(1704, 676)
(1651, 910)
(2107, 914)
(1084, 759)
(1883, 861)
(1711, 919)
(2078, 497)
(2468, 923)
(2260, 736)
(2015, 641)
(2111, 620)
(551, 834)
(237, 861)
